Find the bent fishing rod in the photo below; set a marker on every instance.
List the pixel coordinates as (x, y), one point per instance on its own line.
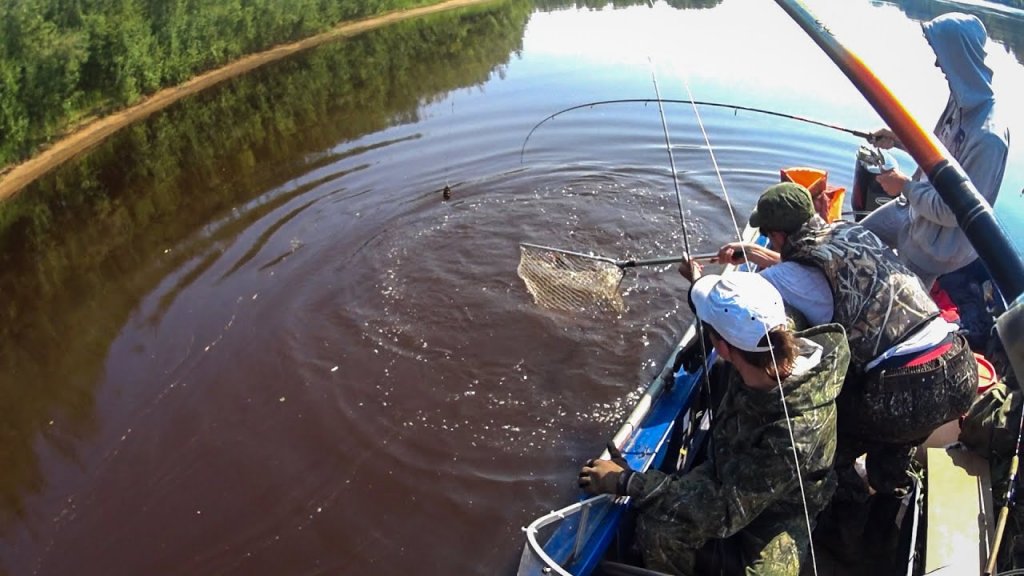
(973, 214)
(661, 101)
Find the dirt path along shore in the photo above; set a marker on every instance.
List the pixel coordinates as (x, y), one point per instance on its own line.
(92, 133)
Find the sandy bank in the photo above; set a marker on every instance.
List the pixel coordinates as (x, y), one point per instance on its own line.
(92, 133)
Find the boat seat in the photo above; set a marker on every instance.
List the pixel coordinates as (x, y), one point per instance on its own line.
(958, 498)
(828, 200)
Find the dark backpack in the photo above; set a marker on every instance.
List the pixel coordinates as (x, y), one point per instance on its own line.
(990, 427)
(990, 430)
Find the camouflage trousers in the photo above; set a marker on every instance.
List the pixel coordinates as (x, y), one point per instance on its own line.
(886, 414)
(764, 549)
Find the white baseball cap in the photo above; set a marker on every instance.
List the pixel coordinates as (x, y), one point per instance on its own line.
(741, 307)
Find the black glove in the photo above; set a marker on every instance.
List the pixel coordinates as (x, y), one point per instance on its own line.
(600, 477)
(606, 476)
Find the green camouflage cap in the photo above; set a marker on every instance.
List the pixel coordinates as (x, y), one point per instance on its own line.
(783, 207)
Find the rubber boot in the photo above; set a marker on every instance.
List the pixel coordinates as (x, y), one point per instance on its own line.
(882, 534)
(840, 530)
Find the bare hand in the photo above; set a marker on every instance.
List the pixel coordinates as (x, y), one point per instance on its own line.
(731, 253)
(893, 182)
(739, 252)
(690, 269)
(885, 139)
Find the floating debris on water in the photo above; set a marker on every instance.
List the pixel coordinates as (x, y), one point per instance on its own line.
(446, 193)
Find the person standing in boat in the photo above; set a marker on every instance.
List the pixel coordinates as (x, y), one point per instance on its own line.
(910, 371)
(748, 490)
(918, 224)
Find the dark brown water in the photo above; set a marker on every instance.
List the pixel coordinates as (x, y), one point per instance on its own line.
(249, 336)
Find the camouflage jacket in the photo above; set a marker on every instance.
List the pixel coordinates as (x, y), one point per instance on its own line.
(750, 481)
(878, 300)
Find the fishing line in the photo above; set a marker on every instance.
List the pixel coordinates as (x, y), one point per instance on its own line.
(701, 337)
(771, 348)
(446, 192)
(682, 220)
(660, 101)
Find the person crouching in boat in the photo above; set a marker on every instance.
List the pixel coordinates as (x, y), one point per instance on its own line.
(749, 490)
(910, 371)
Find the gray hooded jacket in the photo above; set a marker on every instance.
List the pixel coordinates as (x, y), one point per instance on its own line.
(971, 131)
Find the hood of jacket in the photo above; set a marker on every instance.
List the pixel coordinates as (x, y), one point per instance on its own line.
(958, 41)
(817, 381)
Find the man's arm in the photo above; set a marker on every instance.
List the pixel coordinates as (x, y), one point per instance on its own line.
(732, 253)
(984, 164)
(705, 507)
(805, 288)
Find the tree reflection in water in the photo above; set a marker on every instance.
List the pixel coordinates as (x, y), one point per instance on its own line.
(83, 246)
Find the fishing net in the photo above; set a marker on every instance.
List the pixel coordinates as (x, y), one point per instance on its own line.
(569, 282)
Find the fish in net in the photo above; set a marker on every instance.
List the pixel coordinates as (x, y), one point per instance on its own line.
(570, 282)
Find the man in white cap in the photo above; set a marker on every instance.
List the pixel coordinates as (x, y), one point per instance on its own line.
(748, 492)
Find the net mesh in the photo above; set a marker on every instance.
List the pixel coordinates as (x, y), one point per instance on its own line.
(570, 283)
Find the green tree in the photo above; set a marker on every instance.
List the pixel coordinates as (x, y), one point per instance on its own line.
(13, 116)
(68, 59)
(50, 60)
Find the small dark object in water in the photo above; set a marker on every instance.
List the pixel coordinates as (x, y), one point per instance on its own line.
(446, 193)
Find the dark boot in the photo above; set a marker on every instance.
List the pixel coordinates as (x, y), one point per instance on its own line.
(840, 531)
(882, 533)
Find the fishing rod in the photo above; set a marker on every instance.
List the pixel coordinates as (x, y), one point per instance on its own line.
(778, 379)
(973, 213)
(661, 101)
(671, 161)
(1009, 501)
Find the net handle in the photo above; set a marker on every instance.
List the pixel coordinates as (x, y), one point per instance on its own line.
(626, 263)
(705, 257)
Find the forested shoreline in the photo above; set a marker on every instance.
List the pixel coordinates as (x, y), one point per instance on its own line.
(65, 61)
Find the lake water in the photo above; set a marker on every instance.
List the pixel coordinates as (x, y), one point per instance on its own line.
(250, 336)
